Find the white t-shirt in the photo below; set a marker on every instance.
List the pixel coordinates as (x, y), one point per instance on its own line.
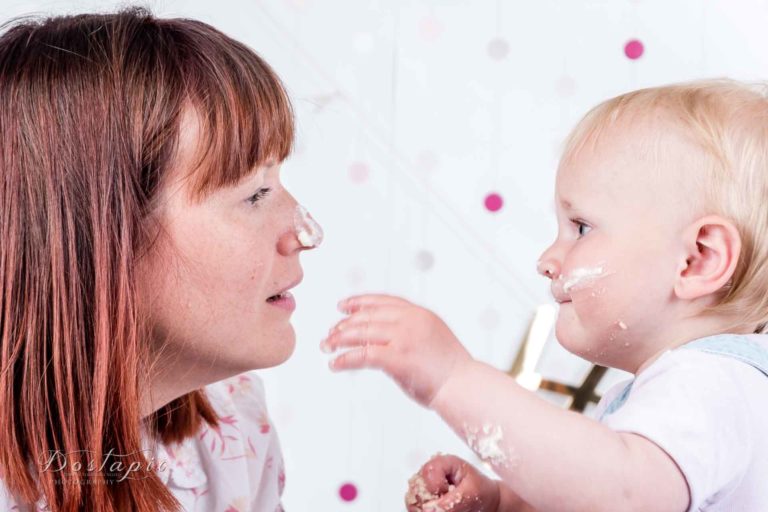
(238, 468)
(710, 414)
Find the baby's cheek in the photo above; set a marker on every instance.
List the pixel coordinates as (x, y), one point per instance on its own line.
(600, 304)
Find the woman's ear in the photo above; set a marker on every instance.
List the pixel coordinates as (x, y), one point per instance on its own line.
(711, 251)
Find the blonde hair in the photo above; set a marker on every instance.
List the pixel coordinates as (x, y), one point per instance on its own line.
(728, 121)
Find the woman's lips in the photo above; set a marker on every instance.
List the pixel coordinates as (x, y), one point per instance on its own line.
(284, 301)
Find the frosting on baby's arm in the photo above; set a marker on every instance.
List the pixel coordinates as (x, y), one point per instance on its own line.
(555, 459)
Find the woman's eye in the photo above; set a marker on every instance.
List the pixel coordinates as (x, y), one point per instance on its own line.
(582, 228)
(259, 195)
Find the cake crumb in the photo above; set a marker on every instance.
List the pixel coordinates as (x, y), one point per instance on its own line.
(486, 443)
(417, 491)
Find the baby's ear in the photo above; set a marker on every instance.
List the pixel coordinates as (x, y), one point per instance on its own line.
(711, 250)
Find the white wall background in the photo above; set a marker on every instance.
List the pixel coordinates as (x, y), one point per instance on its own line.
(409, 114)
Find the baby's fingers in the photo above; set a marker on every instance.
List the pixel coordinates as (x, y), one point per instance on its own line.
(454, 501)
(431, 481)
(356, 302)
(357, 335)
(367, 356)
(369, 315)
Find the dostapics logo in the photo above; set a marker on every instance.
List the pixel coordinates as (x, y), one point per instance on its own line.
(71, 463)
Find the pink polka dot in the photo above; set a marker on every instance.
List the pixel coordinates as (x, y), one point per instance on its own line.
(424, 260)
(498, 48)
(633, 49)
(565, 86)
(430, 28)
(348, 492)
(493, 202)
(358, 172)
(355, 276)
(427, 161)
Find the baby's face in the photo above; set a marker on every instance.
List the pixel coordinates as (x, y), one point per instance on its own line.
(616, 255)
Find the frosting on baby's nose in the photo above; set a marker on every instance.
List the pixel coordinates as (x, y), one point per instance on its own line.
(308, 231)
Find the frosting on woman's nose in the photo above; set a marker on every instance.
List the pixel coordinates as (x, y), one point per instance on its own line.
(308, 231)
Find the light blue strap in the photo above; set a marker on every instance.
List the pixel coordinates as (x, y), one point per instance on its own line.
(730, 345)
(618, 401)
(735, 346)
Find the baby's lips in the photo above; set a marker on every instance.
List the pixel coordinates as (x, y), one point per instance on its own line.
(558, 294)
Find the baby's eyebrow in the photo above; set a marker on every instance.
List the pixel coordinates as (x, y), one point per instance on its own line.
(566, 204)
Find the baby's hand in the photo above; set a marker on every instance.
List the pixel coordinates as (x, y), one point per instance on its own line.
(448, 483)
(406, 341)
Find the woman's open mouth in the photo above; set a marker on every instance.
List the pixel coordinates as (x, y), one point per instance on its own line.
(283, 300)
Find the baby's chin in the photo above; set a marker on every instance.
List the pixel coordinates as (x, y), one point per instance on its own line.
(585, 341)
(570, 336)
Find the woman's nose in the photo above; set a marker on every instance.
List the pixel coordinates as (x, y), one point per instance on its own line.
(304, 232)
(308, 231)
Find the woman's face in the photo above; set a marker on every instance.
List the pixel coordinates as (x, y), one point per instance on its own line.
(211, 281)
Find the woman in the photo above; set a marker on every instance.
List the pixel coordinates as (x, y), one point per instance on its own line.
(147, 250)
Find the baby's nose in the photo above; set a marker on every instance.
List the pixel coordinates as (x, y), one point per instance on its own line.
(548, 268)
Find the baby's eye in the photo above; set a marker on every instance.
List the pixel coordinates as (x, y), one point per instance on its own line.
(582, 227)
(260, 194)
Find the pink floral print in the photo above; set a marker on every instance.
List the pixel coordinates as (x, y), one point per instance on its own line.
(235, 467)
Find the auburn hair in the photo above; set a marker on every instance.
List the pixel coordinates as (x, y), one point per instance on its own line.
(90, 111)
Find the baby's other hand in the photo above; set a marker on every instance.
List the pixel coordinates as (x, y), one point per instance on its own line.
(450, 484)
(408, 342)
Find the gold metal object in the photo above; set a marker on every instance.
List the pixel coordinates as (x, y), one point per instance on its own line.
(524, 366)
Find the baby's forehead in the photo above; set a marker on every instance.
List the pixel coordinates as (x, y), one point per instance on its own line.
(629, 161)
(647, 142)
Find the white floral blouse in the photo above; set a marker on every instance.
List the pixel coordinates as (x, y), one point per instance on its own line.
(237, 467)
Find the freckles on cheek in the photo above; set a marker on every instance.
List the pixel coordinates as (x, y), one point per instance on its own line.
(219, 268)
(255, 274)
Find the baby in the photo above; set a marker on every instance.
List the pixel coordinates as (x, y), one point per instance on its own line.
(660, 268)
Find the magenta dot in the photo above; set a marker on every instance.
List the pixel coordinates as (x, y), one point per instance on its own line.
(348, 492)
(493, 202)
(633, 49)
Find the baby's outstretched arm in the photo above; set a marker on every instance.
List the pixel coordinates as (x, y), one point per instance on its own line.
(552, 458)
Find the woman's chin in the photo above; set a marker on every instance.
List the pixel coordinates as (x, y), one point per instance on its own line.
(280, 351)
(265, 353)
